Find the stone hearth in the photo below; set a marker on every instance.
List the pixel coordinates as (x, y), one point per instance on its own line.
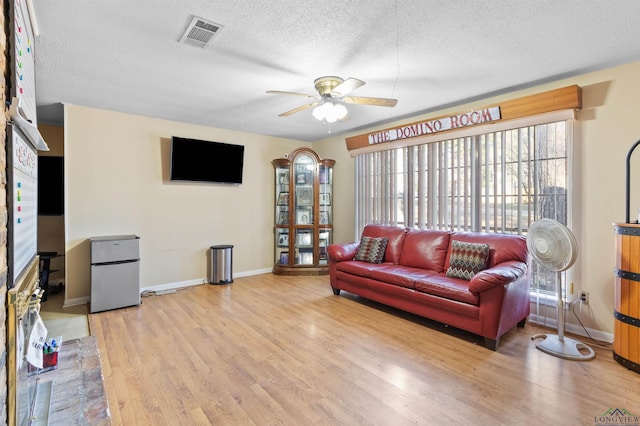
(77, 394)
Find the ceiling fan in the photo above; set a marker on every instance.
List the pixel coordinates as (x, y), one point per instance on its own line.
(332, 92)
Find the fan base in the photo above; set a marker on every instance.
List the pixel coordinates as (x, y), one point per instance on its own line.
(565, 347)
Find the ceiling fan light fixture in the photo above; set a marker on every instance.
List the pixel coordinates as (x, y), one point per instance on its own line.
(329, 112)
(328, 105)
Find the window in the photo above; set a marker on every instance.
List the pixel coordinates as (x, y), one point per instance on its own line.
(500, 181)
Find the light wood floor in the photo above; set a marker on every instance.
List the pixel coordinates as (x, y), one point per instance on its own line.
(284, 350)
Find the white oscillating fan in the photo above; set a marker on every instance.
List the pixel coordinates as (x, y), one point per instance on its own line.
(553, 246)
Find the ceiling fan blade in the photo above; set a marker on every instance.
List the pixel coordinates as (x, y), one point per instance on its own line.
(385, 102)
(300, 108)
(347, 86)
(280, 92)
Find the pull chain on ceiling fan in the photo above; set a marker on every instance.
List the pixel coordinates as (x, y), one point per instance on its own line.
(332, 94)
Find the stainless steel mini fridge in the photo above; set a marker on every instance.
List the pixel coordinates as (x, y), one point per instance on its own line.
(115, 272)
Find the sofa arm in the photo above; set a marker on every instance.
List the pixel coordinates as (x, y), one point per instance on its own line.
(341, 252)
(501, 274)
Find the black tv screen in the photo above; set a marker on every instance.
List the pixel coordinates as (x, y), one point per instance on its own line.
(50, 186)
(194, 160)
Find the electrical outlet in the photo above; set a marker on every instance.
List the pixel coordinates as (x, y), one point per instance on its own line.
(584, 297)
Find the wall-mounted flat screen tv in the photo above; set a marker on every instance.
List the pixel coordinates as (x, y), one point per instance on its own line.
(194, 160)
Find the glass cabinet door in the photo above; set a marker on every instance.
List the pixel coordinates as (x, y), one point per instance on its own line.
(324, 240)
(325, 178)
(304, 167)
(282, 215)
(282, 246)
(304, 247)
(282, 196)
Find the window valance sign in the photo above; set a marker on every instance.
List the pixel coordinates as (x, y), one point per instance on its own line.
(435, 126)
(566, 98)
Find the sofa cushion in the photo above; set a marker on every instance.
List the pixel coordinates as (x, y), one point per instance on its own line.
(362, 269)
(425, 249)
(402, 276)
(467, 259)
(396, 236)
(449, 288)
(371, 249)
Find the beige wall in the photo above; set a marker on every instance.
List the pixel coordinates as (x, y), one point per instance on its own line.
(115, 167)
(605, 129)
(54, 136)
(343, 187)
(114, 186)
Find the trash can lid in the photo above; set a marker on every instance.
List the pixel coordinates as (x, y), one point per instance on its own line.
(225, 246)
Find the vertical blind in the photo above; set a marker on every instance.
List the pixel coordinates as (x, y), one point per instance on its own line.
(500, 181)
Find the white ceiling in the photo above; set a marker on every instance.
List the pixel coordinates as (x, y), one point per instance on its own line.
(124, 55)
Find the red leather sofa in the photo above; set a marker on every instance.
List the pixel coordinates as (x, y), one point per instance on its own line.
(413, 277)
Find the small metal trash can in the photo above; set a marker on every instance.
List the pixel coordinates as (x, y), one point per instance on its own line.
(221, 264)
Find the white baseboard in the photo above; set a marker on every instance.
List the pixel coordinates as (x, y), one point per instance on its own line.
(175, 285)
(168, 286)
(254, 272)
(199, 281)
(573, 328)
(75, 302)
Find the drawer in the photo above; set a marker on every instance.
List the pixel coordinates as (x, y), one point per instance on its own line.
(104, 250)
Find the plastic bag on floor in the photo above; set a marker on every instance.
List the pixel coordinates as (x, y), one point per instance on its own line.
(37, 338)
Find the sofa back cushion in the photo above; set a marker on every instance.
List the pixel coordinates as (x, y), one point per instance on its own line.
(395, 242)
(502, 247)
(425, 249)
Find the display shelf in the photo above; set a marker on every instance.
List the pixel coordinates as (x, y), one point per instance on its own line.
(303, 213)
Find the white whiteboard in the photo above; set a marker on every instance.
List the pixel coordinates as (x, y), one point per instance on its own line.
(23, 139)
(23, 200)
(24, 81)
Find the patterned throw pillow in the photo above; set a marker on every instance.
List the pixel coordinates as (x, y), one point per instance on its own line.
(467, 259)
(371, 249)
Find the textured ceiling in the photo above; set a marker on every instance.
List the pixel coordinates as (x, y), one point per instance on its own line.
(124, 55)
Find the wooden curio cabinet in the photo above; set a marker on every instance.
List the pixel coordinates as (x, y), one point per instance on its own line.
(303, 213)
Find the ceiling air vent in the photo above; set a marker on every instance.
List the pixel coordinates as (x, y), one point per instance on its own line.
(199, 32)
